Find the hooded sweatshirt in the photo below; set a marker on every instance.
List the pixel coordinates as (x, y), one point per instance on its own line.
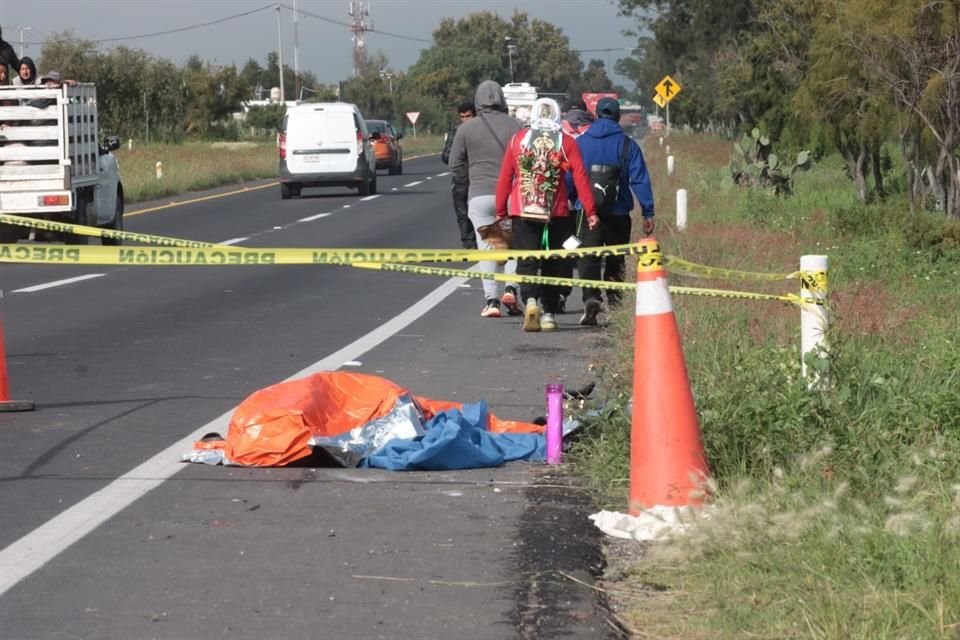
(17, 80)
(603, 143)
(8, 56)
(478, 150)
(577, 121)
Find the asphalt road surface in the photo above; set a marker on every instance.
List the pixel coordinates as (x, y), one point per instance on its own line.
(104, 534)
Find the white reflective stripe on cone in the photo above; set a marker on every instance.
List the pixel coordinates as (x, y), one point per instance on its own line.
(653, 298)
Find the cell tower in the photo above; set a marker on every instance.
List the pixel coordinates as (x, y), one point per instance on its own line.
(360, 23)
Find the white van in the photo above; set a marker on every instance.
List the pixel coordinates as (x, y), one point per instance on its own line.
(326, 144)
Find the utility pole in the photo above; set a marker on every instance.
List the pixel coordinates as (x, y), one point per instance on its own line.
(283, 96)
(511, 49)
(22, 28)
(296, 48)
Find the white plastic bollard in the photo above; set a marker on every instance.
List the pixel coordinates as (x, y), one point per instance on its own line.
(159, 169)
(667, 148)
(129, 144)
(681, 209)
(813, 317)
(669, 165)
(661, 141)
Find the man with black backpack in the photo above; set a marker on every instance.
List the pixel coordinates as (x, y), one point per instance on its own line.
(615, 166)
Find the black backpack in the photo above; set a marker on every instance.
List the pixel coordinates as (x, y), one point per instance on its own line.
(605, 181)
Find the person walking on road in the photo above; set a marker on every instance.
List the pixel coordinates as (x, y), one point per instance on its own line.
(532, 190)
(460, 183)
(616, 166)
(478, 149)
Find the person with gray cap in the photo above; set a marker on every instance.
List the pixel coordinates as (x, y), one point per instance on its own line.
(616, 166)
(478, 149)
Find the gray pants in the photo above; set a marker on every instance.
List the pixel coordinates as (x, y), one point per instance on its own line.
(482, 211)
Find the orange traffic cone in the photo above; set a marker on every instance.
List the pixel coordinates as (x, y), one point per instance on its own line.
(667, 462)
(6, 404)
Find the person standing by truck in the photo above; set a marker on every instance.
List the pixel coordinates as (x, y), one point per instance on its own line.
(8, 57)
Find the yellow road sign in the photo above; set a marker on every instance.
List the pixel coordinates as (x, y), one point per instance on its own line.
(657, 100)
(668, 88)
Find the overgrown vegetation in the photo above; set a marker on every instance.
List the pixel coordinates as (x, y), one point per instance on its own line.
(843, 75)
(836, 514)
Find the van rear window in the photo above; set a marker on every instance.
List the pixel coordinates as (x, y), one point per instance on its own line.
(333, 125)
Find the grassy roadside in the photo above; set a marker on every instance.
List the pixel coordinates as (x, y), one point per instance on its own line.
(203, 165)
(836, 514)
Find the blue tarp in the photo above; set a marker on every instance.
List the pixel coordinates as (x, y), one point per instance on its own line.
(457, 439)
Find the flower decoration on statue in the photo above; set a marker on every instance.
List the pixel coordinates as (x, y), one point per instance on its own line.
(542, 165)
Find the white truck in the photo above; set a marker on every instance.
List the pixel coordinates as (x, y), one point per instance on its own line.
(519, 94)
(52, 165)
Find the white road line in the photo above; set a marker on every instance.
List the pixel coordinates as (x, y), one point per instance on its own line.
(370, 198)
(312, 218)
(445, 173)
(233, 241)
(58, 283)
(413, 184)
(31, 552)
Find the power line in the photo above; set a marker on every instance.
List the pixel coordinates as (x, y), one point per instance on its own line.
(188, 28)
(348, 25)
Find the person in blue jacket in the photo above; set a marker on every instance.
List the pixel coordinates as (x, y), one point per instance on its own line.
(603, 144)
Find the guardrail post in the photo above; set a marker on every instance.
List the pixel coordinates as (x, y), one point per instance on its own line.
(670, 165)
(681, 209)
(159, 169)
(814, 321)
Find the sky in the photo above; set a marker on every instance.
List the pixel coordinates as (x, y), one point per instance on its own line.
(324, 48)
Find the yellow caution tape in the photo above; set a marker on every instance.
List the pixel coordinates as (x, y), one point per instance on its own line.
(687, 268)
(168, 251)
(447, 272)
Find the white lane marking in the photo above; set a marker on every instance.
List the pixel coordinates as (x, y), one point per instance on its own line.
(394, 189)
(429, 177)
(312, 218)
(233, 241)
(58, 283)
(346, 206)
(445, 173)
(370, 198)
(353, 363)
(413, 184)
(32, 551)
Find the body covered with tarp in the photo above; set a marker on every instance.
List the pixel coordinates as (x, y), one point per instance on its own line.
(365, 420)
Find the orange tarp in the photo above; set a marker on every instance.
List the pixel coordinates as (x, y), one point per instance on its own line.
(273, 426)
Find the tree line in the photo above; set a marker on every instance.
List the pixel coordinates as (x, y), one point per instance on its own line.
(844, 75)
(144, 97)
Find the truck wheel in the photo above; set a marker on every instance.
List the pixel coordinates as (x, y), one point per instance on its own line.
(373, 185)
(365, 187)
(117, 224)
(285, 191)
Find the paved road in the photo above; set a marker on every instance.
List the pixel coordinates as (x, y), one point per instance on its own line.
(106, 535)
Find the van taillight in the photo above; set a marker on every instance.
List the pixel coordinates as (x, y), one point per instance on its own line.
(283, 146)
(359, 142)
(53, 201)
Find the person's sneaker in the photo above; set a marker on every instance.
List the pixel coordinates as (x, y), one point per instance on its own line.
(591, 308)
(562, 304)
(531, 316)
(547, 323)
(509, 300)
(492, 310)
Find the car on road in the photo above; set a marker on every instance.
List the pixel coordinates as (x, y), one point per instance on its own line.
(386, 145)
(326, 144)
